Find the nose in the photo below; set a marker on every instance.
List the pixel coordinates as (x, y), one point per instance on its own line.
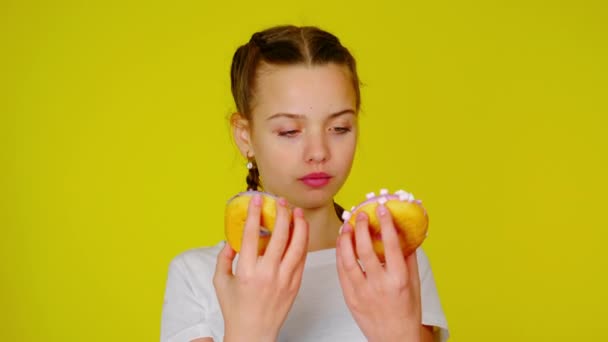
(317, 149)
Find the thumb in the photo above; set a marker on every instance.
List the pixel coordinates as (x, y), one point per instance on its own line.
(223, 267)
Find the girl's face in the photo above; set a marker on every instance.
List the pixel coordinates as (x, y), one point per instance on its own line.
(303, 132)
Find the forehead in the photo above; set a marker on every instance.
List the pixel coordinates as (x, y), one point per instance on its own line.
(312, 91)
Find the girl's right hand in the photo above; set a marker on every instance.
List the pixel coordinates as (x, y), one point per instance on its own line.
(255, 299)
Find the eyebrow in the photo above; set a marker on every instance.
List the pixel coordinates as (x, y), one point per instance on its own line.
(301, 116)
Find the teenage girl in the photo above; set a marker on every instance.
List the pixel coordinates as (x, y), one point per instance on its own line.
(297, 96)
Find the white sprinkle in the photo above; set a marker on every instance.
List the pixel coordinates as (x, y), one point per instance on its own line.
(346, 215)
(411, 199)
(403, 197)
(352, 208)
(399, 192)
(383, 191)
(382, 200)
(370, 195)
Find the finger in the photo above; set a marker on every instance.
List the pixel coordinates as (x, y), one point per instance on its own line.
(223, 266)
(251, 234)
(392, 248)
(365, 251)
(349, 271)
(412, 270)
(298, 247)
(295, 278)
(280, 234)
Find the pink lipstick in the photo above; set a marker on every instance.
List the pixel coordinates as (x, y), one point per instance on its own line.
(316, 179)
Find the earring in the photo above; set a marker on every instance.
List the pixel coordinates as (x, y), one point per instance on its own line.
(249, 164)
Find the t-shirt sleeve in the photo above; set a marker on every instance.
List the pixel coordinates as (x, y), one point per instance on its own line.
(432, 312)
(183, 314)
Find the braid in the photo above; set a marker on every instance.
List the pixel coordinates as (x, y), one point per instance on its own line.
(253, 177)
(339, 210)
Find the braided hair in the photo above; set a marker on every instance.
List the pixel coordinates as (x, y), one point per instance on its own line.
(253, 177)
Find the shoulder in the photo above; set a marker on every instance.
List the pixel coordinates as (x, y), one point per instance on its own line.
(190, 300)
(195, 267)
(197, 258)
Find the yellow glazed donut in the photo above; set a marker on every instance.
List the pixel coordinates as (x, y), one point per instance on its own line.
(236, 215)
(409, 217)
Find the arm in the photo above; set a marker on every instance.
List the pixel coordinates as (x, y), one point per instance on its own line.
(183, 308)
(426, 334)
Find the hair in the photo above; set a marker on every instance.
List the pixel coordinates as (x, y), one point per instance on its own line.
(284, 45)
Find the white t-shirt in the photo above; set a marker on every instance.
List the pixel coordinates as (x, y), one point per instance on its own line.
(319, 313)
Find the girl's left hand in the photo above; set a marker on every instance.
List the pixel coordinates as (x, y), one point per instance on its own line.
(384, 299)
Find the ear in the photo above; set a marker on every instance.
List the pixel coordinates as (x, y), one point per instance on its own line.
(241, 131)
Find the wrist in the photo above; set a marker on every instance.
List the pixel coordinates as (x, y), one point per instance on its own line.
(249, 336)
(412, 335)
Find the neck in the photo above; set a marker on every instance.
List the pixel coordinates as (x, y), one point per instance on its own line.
(323, 224)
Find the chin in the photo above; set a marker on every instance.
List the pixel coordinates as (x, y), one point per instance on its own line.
(311, 203)
(313, 198)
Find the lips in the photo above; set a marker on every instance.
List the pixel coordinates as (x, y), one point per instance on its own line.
(316, 179)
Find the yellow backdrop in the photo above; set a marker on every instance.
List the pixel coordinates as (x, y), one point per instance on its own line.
(117, 156)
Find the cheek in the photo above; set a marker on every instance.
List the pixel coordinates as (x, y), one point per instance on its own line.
(273, 157)
(345, 148)
(278, 158)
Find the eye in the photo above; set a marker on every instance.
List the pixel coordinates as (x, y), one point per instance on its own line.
(289, 134)
(340, 130)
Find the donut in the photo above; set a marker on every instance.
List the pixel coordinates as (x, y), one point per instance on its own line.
(409, 218)
(236, 215)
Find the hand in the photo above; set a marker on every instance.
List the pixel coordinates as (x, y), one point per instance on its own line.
(256, 299)
(384, 299)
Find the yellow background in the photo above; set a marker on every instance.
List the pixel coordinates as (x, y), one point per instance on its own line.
(116, 153)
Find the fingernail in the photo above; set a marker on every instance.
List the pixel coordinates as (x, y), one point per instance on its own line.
(361, 216)
(282, 202)
(297, 212)
(346, 228)
(382, 210)
(257, 199)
